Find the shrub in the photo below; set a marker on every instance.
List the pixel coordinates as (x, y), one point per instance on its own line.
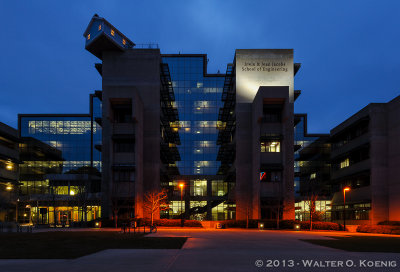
(390, 223)
(173, 223)
(383, 229)
(318, 225)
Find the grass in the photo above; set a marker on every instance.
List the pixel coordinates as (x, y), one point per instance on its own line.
(360, 243)
(69, 245)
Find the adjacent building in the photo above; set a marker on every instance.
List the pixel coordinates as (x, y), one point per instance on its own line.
(9, 161)
(365, 156)
(60, 170)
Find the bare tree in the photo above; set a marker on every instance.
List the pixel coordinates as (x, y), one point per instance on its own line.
(314, 214)
(155, 201)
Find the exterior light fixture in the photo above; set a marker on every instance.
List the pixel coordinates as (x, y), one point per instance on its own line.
(72, 193)
(260, 226)
(9, 188)
(296, 227)
(9, 166)
(181, 185)
(345, 189)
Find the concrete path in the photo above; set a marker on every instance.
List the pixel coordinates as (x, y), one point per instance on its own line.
(220, 250)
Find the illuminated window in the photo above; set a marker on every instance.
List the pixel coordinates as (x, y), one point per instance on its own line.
(271, 146)
(313, 175)
(123, 41)
(112, 32)
(99, 27)
(198, 187)
(88, 36)
(345, 163)
(219, 188)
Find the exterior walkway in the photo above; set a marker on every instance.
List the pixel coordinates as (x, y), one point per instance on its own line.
(215, 250)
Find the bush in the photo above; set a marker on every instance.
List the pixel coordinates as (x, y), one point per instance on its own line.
(318, 225)
(390, 223)
(283, 224)
(383, 229)
(173, 223)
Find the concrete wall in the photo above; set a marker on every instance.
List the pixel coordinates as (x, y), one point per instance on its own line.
(256, 68)
(393, 158)
(133, 74)
(379, 162)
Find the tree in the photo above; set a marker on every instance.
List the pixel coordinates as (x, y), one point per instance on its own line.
(314, 214)
(155, 201)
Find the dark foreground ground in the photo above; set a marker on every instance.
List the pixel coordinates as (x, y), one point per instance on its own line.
(68, 245)
(206, 250)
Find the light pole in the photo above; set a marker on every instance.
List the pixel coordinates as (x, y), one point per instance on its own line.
(181, 185)
(344, 207)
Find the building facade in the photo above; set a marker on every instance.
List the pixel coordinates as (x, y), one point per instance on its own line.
(365, 154)
(9, 172)
(214, 133)
(60, 170)
(221, 146)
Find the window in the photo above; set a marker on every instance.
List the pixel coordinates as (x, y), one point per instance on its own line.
(99, 27)
(198, 187)
(271, 146)
(124, 146)
(123, 41)
(272, 114)
(345, 163)
(313, 175)
(274, 176)
(122, 113)
(123, 175)
(112, 32)
(88, 36)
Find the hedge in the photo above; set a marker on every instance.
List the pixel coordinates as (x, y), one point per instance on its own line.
(283, 224)
(109, 223)
(383, 229)
(390, 223)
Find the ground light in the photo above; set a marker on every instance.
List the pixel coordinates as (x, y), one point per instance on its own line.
(344, 207)
(297, 227)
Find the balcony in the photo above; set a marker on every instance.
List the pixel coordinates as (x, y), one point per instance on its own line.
(270, 157)
(352, 169)
(124, 158)
(8, 175)
(359, 141)
(123, 128)
(9, 153)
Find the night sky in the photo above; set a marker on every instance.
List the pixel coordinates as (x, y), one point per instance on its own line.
(349, 50)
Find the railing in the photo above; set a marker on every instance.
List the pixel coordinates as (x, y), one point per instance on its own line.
(147, 45)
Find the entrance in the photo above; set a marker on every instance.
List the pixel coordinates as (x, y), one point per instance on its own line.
(63, 217)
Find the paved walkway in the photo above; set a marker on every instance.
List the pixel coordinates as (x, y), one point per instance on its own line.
(217, 250)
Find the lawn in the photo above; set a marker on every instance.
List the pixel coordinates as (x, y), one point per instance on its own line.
(69, 245)
(361, 243)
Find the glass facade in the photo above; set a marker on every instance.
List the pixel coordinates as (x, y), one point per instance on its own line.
(301, 140)
(198, 99)
(59, 165)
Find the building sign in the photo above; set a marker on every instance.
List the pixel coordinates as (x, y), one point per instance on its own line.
(262, 67)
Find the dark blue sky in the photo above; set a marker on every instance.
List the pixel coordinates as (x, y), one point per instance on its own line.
(349, 50)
